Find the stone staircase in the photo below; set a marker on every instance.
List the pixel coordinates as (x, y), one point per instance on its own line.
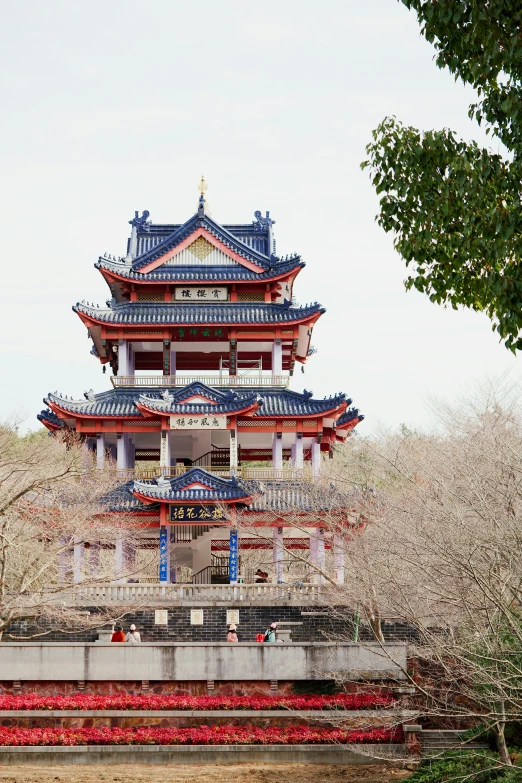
(435, 741)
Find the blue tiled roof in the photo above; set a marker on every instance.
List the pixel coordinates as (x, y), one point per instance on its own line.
(122, 499)
(199, 274)
(167, 314)
(349, 415)
(254, 234)
(297, 496)
(275, 402)
(283, 402)
(206, 222)
(50, 417)
(269, 496)
(173, 489)
(115, 402)
(223, 402)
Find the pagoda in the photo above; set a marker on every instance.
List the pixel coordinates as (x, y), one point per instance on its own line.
(202, 334)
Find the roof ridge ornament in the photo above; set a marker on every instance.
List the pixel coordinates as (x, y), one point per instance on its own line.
(138, 223)
(202, 187)
(261, 223)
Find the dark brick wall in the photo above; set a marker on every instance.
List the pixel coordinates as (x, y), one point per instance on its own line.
(327, 626)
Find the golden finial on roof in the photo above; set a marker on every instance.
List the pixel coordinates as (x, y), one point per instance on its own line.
(202, 187)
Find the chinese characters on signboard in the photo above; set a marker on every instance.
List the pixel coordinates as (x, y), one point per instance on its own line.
(196, 616)
(233, 556)
(198, 422)
(233, 616)
(161, 617)
(196, 512)
(199, 332)
(201, 294)
(164, 554)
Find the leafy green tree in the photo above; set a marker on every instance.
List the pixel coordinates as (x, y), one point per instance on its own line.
(455, 207)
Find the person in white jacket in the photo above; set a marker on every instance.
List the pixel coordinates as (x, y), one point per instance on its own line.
(133, 635)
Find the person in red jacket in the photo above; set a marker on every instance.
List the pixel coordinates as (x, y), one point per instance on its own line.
(118, 635)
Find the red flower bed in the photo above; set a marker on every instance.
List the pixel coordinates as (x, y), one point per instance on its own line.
(86, 701)
(203, 735)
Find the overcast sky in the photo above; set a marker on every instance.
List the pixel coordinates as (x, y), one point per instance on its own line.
(114, 106)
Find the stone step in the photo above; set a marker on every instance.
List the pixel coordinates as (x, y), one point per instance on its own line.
(433, 741)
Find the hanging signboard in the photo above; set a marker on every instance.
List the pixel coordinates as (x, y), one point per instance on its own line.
(233, 557)
(195, 513)
(164, 554)
(206, 293)
(198, 422)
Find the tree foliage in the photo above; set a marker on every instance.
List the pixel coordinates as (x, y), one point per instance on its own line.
(455, 207)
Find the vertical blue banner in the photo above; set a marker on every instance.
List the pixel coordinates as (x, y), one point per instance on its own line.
(233, 556)
(164, 554)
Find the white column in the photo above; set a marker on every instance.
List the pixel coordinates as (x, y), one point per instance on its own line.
(316, 458)
(299, 457)
(130, 560)
(278, 554)
(64, 560)
(321, 559)
(172, 449)
(86, 455)
(277, 451)
(338, 559)
(313, 556)
(100, 450)
(122, 457)
(94, 558)
(78, 561)
(164, 450)
(173, 568)
(123, 357)
(277, 358)
(119, 560)
(233, 449)
(132, 360)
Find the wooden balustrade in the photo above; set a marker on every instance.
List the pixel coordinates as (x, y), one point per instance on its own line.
(157, 593)
(253, 381)
(245, 472)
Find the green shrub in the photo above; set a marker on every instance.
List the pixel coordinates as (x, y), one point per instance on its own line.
(475, 767)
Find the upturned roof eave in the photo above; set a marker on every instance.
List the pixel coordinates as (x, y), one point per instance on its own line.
(232, 412)
(247, 499)
(116, 273)
(302, 315)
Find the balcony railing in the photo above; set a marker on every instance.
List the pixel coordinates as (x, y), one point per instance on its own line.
(154, 593)
(260, 474)
(252, 381)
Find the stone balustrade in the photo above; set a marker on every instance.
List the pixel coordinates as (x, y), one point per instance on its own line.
(193, 594)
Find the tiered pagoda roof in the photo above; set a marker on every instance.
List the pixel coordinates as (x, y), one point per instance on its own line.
(220, 233)
(176, 314)
(137, 402)
(211, 274)
(196, 486)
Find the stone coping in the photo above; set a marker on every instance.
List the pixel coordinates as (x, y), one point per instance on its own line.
(404, 714)
(227, 645)
(201, 754)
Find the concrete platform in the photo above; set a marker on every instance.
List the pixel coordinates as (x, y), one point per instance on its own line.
(202, 754)
(163, 661)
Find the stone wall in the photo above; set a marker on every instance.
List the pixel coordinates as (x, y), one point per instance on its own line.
(164, 662)
(306, 623)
